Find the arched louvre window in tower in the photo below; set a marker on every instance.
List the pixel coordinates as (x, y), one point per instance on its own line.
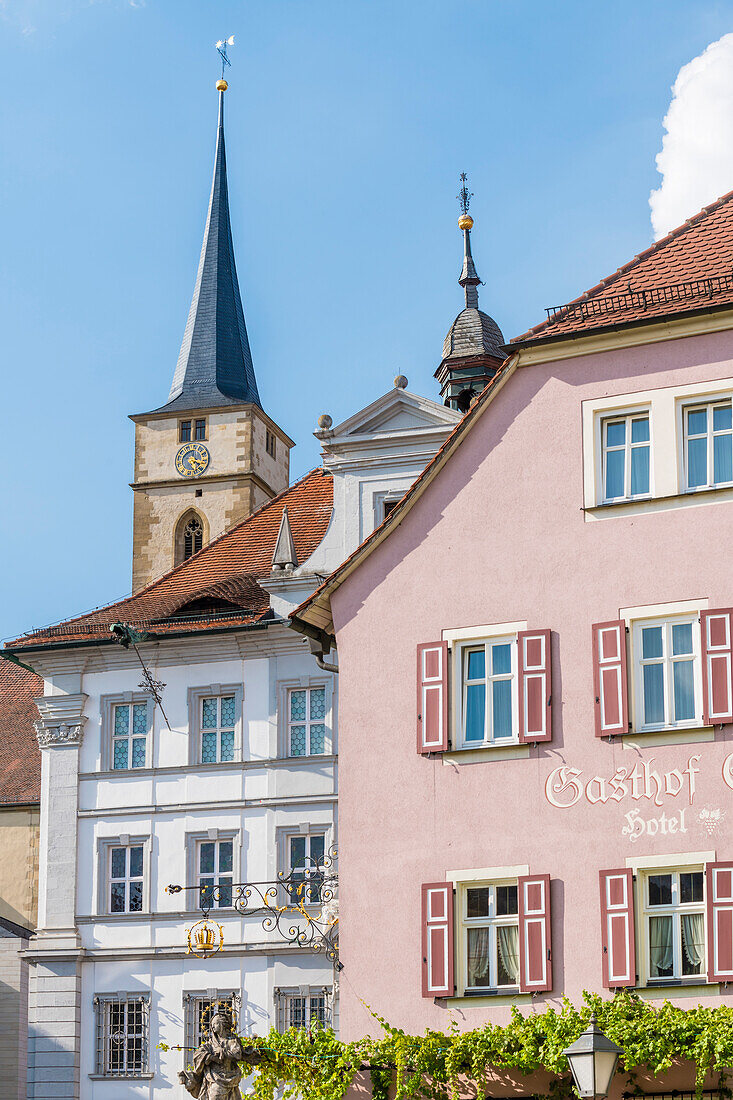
(193, 537)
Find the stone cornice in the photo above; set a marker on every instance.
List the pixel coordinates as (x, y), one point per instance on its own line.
(61, 720)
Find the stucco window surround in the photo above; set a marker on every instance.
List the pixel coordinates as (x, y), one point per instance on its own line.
(665, 408)
(303, 683)
(469, 647)
(127, 1014)
(674, 914)
(107, 705)
(647, 626)
(384, 502)
(288, 858)
(194, 840)
(196, 696)
(477, 891)
(104, 869)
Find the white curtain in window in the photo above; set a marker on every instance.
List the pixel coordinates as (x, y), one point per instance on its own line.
(478, 956)
(693, 938)
(660, 945)
(508, 937)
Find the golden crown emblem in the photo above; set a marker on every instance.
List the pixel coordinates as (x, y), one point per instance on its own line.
(203, 940)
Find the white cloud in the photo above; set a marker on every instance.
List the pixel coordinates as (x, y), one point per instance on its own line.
(696, 161)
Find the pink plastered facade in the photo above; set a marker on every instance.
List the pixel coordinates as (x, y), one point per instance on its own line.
(505, 534)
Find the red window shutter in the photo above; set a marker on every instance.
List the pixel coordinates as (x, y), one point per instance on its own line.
(609, 678)
(432, 697)
(618, 933)
(535, 685)
(719, 882)
(717, 667)
(437, 939)
(535, 948)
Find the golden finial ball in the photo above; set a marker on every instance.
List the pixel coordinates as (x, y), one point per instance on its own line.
(465, 221)
(221, 85)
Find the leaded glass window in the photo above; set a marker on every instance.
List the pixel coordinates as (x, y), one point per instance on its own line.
(129, 735)
(708, 445)
(125, 878)
(307, 853)
(304, 1008)
(218, 721)
(193, 537)
(306, 721)
(122, 1035)
(215, 865)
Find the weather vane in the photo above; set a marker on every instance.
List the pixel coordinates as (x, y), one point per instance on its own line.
(464, 196)
(221, 48)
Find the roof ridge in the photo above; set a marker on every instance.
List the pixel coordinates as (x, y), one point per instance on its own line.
(656, 246)
(182, 565)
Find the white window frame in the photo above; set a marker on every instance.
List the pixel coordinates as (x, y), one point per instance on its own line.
(284, 687)
(696, 406)
(284, 1002)
(104, 863)
(107, 708)
(492, 922)
(464, 638)
(627, 417)
(666, 621)
(103, 1003)
(216, 875)
(193, 843)
(676, 909)
(308, 830)
(196, 695)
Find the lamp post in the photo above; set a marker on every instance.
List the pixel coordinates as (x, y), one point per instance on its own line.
(593, 1058)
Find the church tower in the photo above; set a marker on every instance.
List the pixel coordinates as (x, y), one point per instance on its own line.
(473, 349)
(210, 456)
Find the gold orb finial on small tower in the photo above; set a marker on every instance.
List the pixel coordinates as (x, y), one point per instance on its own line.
(465, 221)
(221, 85)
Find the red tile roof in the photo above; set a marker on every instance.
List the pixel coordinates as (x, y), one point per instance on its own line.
(20, 757)
(689, 270)
(227, 570)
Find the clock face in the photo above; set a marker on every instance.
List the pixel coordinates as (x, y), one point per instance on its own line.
(192, 459)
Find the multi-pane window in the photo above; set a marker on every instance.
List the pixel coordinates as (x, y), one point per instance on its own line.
(306, 1008)
(122, 1035)
(626, 457)
(306, 726)
(200, 1010)
(675, 918)
(200, 429)
(490, 936)
(125, 878)
(270, 442)
(184, 431)
(668, 681)
(129, 735)
(708, 445)
(488, 691)
(214, 867)
(306, 854)
(218, 719)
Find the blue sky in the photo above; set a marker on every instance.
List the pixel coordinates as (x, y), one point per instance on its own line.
(348, 124)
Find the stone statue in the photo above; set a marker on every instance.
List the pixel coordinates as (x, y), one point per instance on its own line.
(216, 1073)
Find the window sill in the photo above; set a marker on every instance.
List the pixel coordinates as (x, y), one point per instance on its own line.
(121, 1077)
(487, 752)
(638, 505)
(486, 1000)
(688, 987)
(689, 736)
(177, 769)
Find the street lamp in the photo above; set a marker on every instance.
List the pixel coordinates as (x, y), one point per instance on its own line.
(593, 1058)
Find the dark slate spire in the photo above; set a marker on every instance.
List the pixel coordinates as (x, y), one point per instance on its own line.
(469, 280)
(215, 363)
